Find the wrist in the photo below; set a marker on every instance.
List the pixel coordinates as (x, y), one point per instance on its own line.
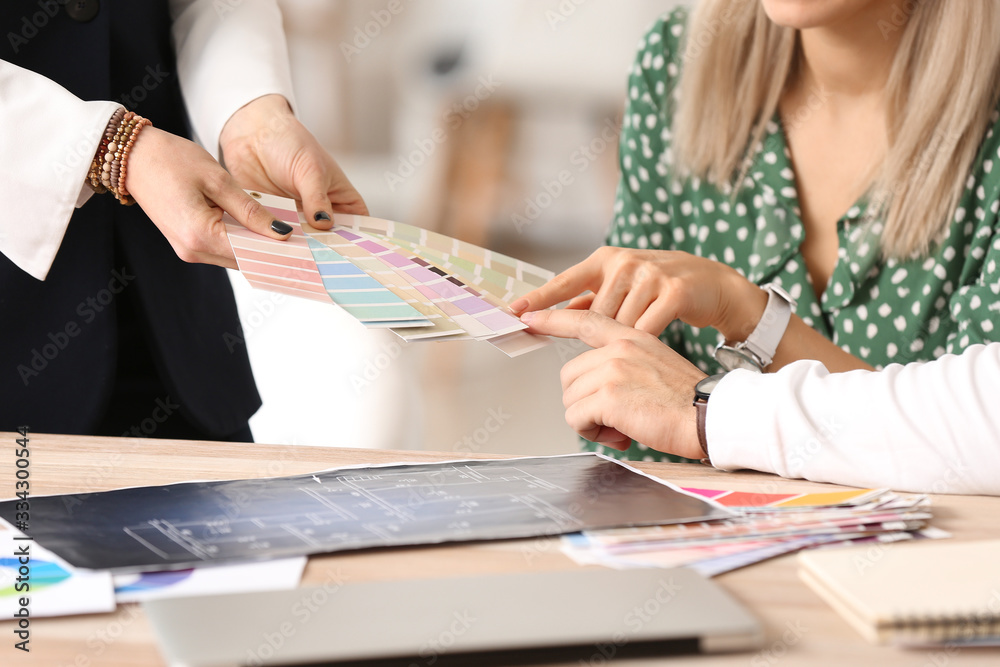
(743, 311)
(261, 112)
(109, 168)
(702, 393)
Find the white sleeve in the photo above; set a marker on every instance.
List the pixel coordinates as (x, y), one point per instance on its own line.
(228, 54)
(48, 142)
(928, 427)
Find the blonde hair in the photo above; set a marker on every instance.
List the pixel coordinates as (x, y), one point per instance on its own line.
(942, 90)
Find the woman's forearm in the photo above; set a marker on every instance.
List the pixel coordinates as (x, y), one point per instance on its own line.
(742, 311)
(801, 341)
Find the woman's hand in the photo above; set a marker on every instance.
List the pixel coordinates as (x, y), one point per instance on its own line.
(649, 289)
(184, 191)
(266, 148)
(631, 386)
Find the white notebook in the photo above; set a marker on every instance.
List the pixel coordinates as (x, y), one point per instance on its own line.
(911, 592)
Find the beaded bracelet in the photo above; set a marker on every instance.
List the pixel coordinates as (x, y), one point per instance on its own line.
(124, 197)
(108, 169)
(115, 149)
(98, 173)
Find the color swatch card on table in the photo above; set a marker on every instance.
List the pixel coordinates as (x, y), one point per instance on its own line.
(767, 525)
(51, 587)
(419, 284)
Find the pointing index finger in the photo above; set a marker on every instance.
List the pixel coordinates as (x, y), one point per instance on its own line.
(573, 281)
(592, 328)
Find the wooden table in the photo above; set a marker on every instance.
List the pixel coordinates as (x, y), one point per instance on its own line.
(801, 629)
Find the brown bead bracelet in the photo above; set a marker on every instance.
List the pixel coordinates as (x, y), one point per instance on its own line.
(108, 169)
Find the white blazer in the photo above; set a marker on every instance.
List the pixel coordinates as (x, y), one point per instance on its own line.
(229, 52)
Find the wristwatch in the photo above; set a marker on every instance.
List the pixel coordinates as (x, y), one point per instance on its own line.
(757, 352)
(702, 392)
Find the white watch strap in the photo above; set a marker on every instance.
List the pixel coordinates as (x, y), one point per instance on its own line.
(764, 340)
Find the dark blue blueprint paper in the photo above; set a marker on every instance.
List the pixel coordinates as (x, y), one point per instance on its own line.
(198, 523)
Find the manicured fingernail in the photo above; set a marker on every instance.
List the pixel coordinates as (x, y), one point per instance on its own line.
(519, 305)
(279, 227)
(527, 317)
(322, 215)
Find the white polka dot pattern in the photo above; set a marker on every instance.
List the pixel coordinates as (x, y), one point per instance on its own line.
(893, 311)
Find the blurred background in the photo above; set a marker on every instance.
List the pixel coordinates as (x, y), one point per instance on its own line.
(494, 121)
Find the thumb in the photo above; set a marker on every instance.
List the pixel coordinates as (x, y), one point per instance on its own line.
(250, 213)
(311, 187)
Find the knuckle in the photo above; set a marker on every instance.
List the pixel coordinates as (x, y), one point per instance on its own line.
(573, 421)
(618, 367)
(249, 209)
(217, 181)
(589, 321)
(623, 346)
(612, 392)
(560, 281)
(604, 252)
(185, 253)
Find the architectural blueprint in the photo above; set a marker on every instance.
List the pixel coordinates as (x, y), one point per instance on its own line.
(192, 523)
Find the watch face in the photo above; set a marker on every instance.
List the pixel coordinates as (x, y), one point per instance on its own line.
(704, 388)
(732, 359)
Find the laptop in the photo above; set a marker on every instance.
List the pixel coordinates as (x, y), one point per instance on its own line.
(594, 615)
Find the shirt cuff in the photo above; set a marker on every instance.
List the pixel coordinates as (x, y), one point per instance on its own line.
(48, 159)
(226, 60)
(738, 416)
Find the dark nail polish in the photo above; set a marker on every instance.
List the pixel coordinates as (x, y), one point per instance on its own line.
(322, 215)
(279, 227)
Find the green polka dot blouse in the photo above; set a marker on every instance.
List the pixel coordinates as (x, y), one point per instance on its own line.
(880, 311)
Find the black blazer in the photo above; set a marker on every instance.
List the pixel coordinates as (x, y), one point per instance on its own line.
(60, 383)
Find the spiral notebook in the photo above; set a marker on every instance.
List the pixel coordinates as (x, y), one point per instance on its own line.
(912, 593)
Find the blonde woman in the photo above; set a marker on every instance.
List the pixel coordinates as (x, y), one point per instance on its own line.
(842, 153)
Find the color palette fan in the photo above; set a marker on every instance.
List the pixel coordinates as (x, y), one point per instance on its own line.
(767, 525)
(419, 284)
